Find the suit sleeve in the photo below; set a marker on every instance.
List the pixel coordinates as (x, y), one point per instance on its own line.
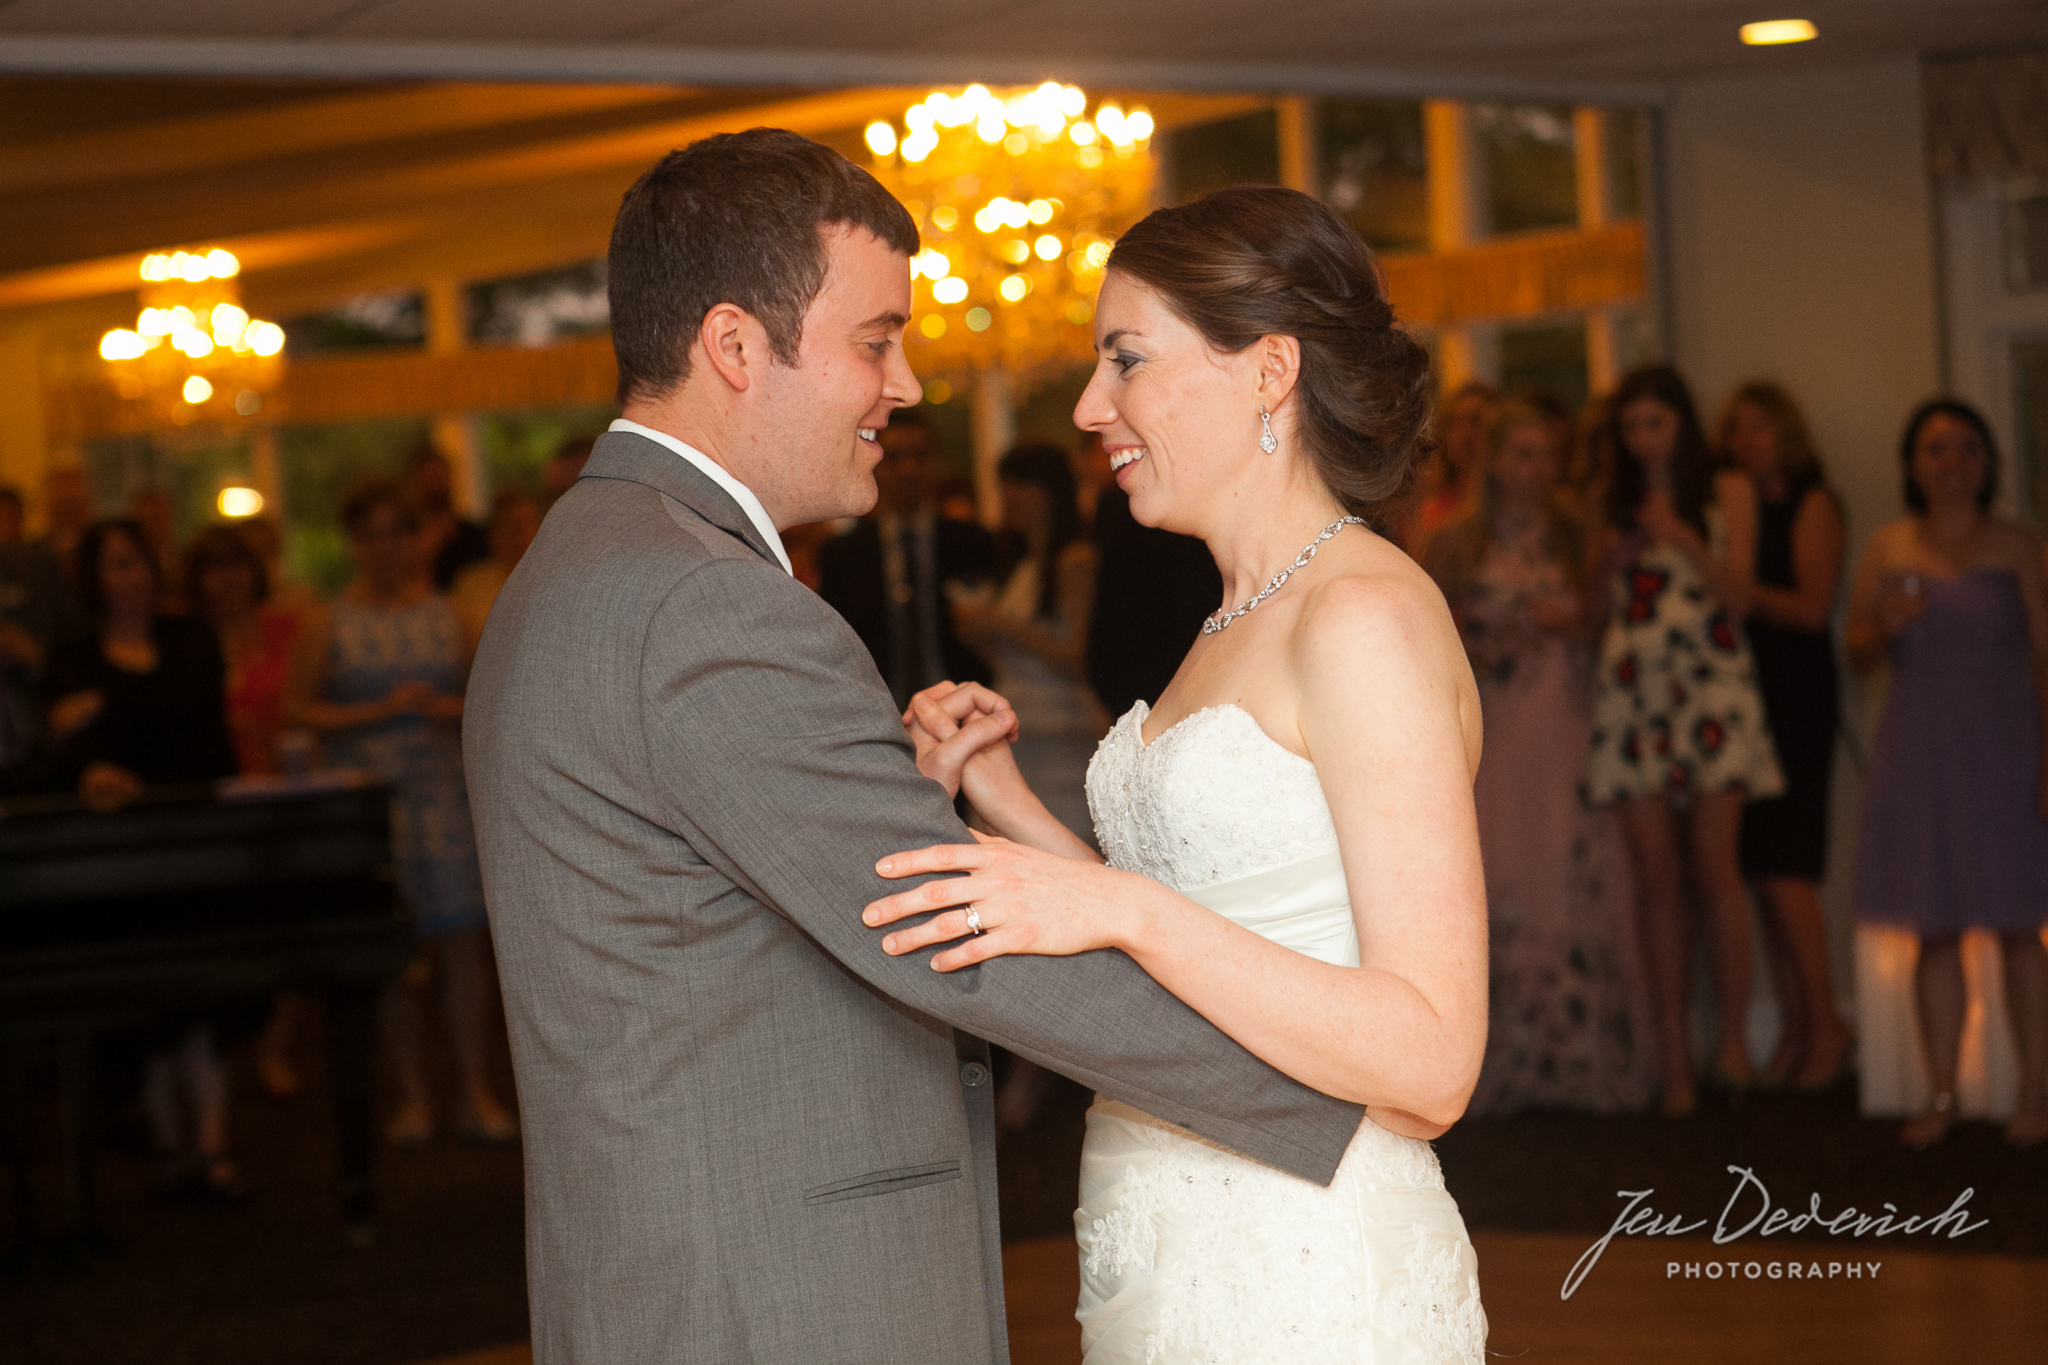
(781, 761)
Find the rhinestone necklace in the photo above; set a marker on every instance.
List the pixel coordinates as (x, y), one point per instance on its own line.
(1220, 618)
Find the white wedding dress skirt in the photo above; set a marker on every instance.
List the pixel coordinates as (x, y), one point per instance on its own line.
(1190, 1254)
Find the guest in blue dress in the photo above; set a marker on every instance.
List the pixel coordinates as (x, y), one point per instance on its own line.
(381, 672)
(1955, 816)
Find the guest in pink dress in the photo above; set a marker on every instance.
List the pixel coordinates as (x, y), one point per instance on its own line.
(1571, 1026)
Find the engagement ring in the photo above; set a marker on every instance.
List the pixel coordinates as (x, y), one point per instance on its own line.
(974, 919)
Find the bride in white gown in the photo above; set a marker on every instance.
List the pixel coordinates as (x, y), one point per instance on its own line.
(1290, 838)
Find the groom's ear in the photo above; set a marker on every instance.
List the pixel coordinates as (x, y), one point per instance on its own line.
(731, 342)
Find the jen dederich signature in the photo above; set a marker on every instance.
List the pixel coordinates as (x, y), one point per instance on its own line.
(1638, 1219)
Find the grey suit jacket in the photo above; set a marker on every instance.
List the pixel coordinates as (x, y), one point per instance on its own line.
(750, 1134)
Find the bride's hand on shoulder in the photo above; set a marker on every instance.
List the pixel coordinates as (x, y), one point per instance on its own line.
(950, 724)
(1022, 900)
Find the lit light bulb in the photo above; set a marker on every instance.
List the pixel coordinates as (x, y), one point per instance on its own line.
(1014, 287)
(1098, 254)
(952, 289)
(988, 218)
(1016, 251)
(978, 319)
(197, 390)
(1138, 125)
(1047, 247)
(1039, 210)
(238, 502)
(945, 217)
(157, 267)
(222, 265)
(1082, 133)
(932, 326)
(1073, 103)
(190, 268)
(122, 344)
(154, 322)
(990, 129)
(1015, 215)
(1016, 144)
(264, 338)
(919, 117)
(881, 138)
(228, 323)
(919, 145)
(1771, 32)
(931, 263)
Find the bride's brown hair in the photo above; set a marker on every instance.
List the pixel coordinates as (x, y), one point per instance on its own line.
(1258, 261)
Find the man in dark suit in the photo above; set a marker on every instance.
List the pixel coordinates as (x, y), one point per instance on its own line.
(1152, 591)
(888, 575)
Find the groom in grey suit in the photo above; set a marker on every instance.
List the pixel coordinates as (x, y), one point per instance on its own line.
(752, 1135)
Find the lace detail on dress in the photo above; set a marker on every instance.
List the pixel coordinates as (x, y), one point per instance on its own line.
(1213, 799)
(1258, 1267)
(1438, 1301)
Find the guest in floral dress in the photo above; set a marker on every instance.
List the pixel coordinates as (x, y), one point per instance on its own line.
(381, 674)
(1679, 736)
(1570, 1019)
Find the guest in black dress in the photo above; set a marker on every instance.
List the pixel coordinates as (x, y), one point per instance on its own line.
(1800, 543)
(138, 700)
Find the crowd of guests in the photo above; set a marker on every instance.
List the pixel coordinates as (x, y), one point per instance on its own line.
(129, 662)
(1649, 611)
(1648, 607)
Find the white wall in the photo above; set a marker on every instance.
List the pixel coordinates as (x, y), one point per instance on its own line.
(1802, 250)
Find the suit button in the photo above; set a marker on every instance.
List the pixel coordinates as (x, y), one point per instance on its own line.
(973, 1074)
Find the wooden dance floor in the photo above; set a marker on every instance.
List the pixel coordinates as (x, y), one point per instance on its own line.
(1921, 1307)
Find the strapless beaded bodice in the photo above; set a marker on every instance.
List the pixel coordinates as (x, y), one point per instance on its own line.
(1213, 799)
(1192, 1254)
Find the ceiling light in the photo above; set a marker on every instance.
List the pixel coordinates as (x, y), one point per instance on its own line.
(1770, 32)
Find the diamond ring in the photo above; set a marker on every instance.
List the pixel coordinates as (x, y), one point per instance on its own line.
(974, 919)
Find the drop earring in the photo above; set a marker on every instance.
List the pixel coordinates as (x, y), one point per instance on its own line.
(1267, 442)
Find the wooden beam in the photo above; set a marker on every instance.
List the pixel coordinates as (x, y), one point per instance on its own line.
(1527, 275)
(352, 388)
(200, 209)
(260, 251)
(182, 146)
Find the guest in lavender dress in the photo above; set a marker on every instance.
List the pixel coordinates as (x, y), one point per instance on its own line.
(381, 673)
(1570, 1016)
(1953, 834)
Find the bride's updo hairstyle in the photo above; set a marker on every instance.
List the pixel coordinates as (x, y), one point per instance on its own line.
(1258, 261)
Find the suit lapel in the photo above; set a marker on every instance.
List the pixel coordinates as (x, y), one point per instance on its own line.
(635, 459)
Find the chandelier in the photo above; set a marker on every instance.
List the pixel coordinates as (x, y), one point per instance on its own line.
(1018, 198)
(194, 353)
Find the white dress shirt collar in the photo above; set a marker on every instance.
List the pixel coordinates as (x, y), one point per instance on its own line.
(717, 473)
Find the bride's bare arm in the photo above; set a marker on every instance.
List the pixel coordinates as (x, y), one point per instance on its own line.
(1388, 718)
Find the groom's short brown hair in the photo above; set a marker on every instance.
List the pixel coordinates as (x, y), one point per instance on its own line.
(734, 218)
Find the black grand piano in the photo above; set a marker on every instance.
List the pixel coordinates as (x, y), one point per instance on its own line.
(189, 897)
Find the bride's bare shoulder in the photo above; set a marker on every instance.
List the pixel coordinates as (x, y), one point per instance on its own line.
(1379, 629)
(1375, 589)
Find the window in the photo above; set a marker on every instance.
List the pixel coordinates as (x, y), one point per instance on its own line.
(1371, 169)
(2030, 413)
(387, 318)
(1215, 156)
(2026, 243)
(1547, 358)
(540, 309)
(1531, 172)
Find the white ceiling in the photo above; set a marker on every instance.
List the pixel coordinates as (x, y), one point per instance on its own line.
(1453, 46)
